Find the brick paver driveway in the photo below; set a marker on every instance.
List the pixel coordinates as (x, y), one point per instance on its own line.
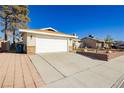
(16, 70)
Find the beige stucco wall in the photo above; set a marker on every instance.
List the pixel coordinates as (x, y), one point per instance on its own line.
(70, 44)
(90, 43)
(31, 41)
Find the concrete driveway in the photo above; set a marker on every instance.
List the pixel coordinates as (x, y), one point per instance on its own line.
(74, 70)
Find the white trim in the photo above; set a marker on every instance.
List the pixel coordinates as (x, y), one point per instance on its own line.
(49, 28)
(45, 33)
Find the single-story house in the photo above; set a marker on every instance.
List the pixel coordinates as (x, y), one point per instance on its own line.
(46, 40)
(91, 43)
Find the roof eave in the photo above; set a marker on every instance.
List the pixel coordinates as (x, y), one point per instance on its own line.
(45, 33)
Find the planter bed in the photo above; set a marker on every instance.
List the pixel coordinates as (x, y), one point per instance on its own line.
(102, 56)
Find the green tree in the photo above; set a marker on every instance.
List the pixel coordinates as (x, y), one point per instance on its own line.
(5, 12)
(19, 19)
(16, 17)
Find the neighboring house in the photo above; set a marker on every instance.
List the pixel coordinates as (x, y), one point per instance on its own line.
(46, 40)
(91, 43)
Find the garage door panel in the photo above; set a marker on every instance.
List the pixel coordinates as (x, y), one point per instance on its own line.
(44, 45)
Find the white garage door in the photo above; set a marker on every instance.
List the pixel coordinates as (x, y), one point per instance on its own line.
(44, 45)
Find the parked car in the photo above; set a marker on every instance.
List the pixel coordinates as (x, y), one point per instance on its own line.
(118, 45)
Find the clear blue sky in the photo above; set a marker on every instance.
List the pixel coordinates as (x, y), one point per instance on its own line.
(82, 20)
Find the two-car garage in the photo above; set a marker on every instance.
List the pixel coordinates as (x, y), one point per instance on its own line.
(51, 45)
